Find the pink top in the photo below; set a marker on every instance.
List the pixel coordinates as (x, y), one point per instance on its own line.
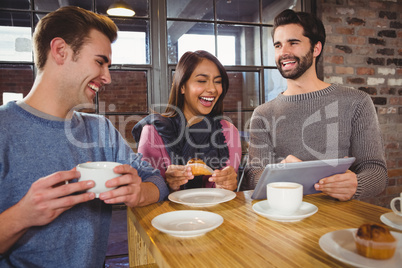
(153, 149)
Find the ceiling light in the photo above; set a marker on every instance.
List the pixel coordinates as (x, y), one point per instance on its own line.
(120, 8)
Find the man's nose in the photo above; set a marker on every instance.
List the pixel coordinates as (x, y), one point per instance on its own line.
(106, 78)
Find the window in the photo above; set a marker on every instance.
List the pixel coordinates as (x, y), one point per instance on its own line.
(11, 96)
(149, 45)
(15, 43)
(130, 48)
(226, 46)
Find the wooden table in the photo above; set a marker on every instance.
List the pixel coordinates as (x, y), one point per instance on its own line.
(246, 239)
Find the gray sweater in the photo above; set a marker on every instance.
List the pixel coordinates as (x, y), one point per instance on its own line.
(331, 123)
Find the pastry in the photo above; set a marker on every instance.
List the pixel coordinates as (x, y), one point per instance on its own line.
(375, 241)
(198, 167)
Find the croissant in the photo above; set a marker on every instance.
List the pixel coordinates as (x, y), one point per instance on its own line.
(198, 167)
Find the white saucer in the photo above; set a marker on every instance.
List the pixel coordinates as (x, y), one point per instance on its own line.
(392, 220)
(187, 223)
(341, 245)
(201, 197)
(306, 210)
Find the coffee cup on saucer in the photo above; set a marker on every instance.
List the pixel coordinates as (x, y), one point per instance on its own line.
(285, 197)
(393, 207)
(99, 172)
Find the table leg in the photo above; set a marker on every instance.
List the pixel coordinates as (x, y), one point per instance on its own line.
(138, 253)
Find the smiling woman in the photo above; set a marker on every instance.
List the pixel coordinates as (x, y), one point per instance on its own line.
(201, 91)
(193, 127)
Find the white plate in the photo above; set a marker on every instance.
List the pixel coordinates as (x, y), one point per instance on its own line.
(306, 210)
(341, 245)
(187, 223)
(201, 197)
(392, 220)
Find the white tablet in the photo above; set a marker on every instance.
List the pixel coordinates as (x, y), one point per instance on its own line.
(306, 173)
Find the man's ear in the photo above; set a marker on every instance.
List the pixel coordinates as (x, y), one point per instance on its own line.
(317, 49)
(58, 50)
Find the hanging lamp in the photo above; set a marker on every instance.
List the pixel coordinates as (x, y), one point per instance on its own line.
(120, 8)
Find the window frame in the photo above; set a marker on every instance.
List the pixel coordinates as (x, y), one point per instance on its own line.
(159, 70)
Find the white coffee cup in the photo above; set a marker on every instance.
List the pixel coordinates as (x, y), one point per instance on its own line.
(99, 172)
(393, 201)
(285, 197)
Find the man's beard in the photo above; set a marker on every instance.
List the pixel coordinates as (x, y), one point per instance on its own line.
(303, 65)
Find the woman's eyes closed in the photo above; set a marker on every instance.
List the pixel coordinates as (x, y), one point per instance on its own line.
(205, 81)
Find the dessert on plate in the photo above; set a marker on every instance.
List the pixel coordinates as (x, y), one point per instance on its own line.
(375, 241)
(198, 167)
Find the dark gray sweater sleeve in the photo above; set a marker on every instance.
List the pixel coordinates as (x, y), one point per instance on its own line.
(367, 146)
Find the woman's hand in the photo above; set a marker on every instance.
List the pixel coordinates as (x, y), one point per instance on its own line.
(225, 178)
(177, 175)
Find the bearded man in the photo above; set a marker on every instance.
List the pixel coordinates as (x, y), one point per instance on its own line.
(315, 120)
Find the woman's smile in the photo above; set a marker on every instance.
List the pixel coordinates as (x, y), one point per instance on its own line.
(207, 101)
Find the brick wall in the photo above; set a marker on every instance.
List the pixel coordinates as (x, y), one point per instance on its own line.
(236, 97)
(16, 79)
(235, 92)
(364, 50)
(126, 94)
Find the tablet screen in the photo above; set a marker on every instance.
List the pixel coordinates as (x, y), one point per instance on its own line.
(306, 173)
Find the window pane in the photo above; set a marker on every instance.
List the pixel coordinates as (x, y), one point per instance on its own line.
(188, 42)
(15, 19)
(132, 44)
(226, 46)
(190, 9)
(247, 44)
(177, 30)
(268, 47)
(124, 124)
(238, 10)
(227, 49)
(16, 79)
(140, 7)
(274, 84)
(243, 91)
(51, 5)
(15, 37)
(18, 4)
(271, 8)
(126, 93)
